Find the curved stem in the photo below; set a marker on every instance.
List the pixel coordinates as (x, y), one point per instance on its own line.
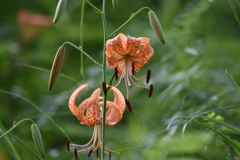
(95, 8)
(131, 18)
(104, 77)
(69, 43)
(15, 125)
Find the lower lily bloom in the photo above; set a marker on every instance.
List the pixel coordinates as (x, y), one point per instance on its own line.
(89, 112)
(128, 54)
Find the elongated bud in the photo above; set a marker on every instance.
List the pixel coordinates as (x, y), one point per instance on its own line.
(56, 67)
(148, 76)
(115, 4)
(116, 73)
(128, 105)
(68, 147)
(37, 139)
(150, 91)
(61, 6)
(75, 153)
(156, 26)
(104, 88)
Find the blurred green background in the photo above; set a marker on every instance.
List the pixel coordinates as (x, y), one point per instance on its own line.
(188, 73)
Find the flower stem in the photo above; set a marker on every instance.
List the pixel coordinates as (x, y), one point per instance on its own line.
(131, 18)
(104, 77)
(81, 39)
(74, 46)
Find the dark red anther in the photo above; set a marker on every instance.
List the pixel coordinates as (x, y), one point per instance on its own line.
(68, 142)
(104, 88)
(89, 153)
(116, 73)
(133, 69)
(148, 76)
(150, 90)
(128, 105)
(75, 153)
(110, 155)
(97, 152)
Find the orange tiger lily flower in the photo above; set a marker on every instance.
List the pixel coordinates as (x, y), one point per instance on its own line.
(128, 54)
(89, 112)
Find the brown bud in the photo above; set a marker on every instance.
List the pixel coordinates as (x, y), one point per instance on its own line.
(89, 153)
(104, 88)
(156, 26)
(56, 67)
(150, 91)
(75, 153)
(68, 147)
(97, 152)
(148, 76)
(110, 155)
(128, 105)
(133, 69)
(116, 73)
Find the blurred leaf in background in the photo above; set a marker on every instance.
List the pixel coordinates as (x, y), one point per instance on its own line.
(188, 72)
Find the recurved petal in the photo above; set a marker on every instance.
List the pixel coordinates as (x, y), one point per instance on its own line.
(113, 115)
(111, 62)
(93, 113)
(116, 47)
(72, 99)
(132, 45)
(119, 99)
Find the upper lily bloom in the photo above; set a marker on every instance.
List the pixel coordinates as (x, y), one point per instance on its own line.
(128, 54)
(89, 112)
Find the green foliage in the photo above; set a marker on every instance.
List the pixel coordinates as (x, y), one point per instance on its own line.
(188, 74)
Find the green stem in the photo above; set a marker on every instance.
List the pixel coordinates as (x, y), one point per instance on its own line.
(131, 18)
(79, 49)
(20, 141)
(95, 8)
(81, 39)
(40, 110)
(15, 125)
(104, 76)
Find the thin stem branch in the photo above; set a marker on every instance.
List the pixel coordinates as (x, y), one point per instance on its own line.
(95, 8)
(104, 76)
(131, 18)
(15, 125)
(69, 43)
(81, 39)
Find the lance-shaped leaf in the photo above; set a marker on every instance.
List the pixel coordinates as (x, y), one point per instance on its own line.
(156, 26)
(56, 67)
(61, 6)
(37, 139)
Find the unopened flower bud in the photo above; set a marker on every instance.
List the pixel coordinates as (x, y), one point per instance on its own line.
(61, 6)
(56, 67)
(37, 139)
(156, 26)
(115, 4)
